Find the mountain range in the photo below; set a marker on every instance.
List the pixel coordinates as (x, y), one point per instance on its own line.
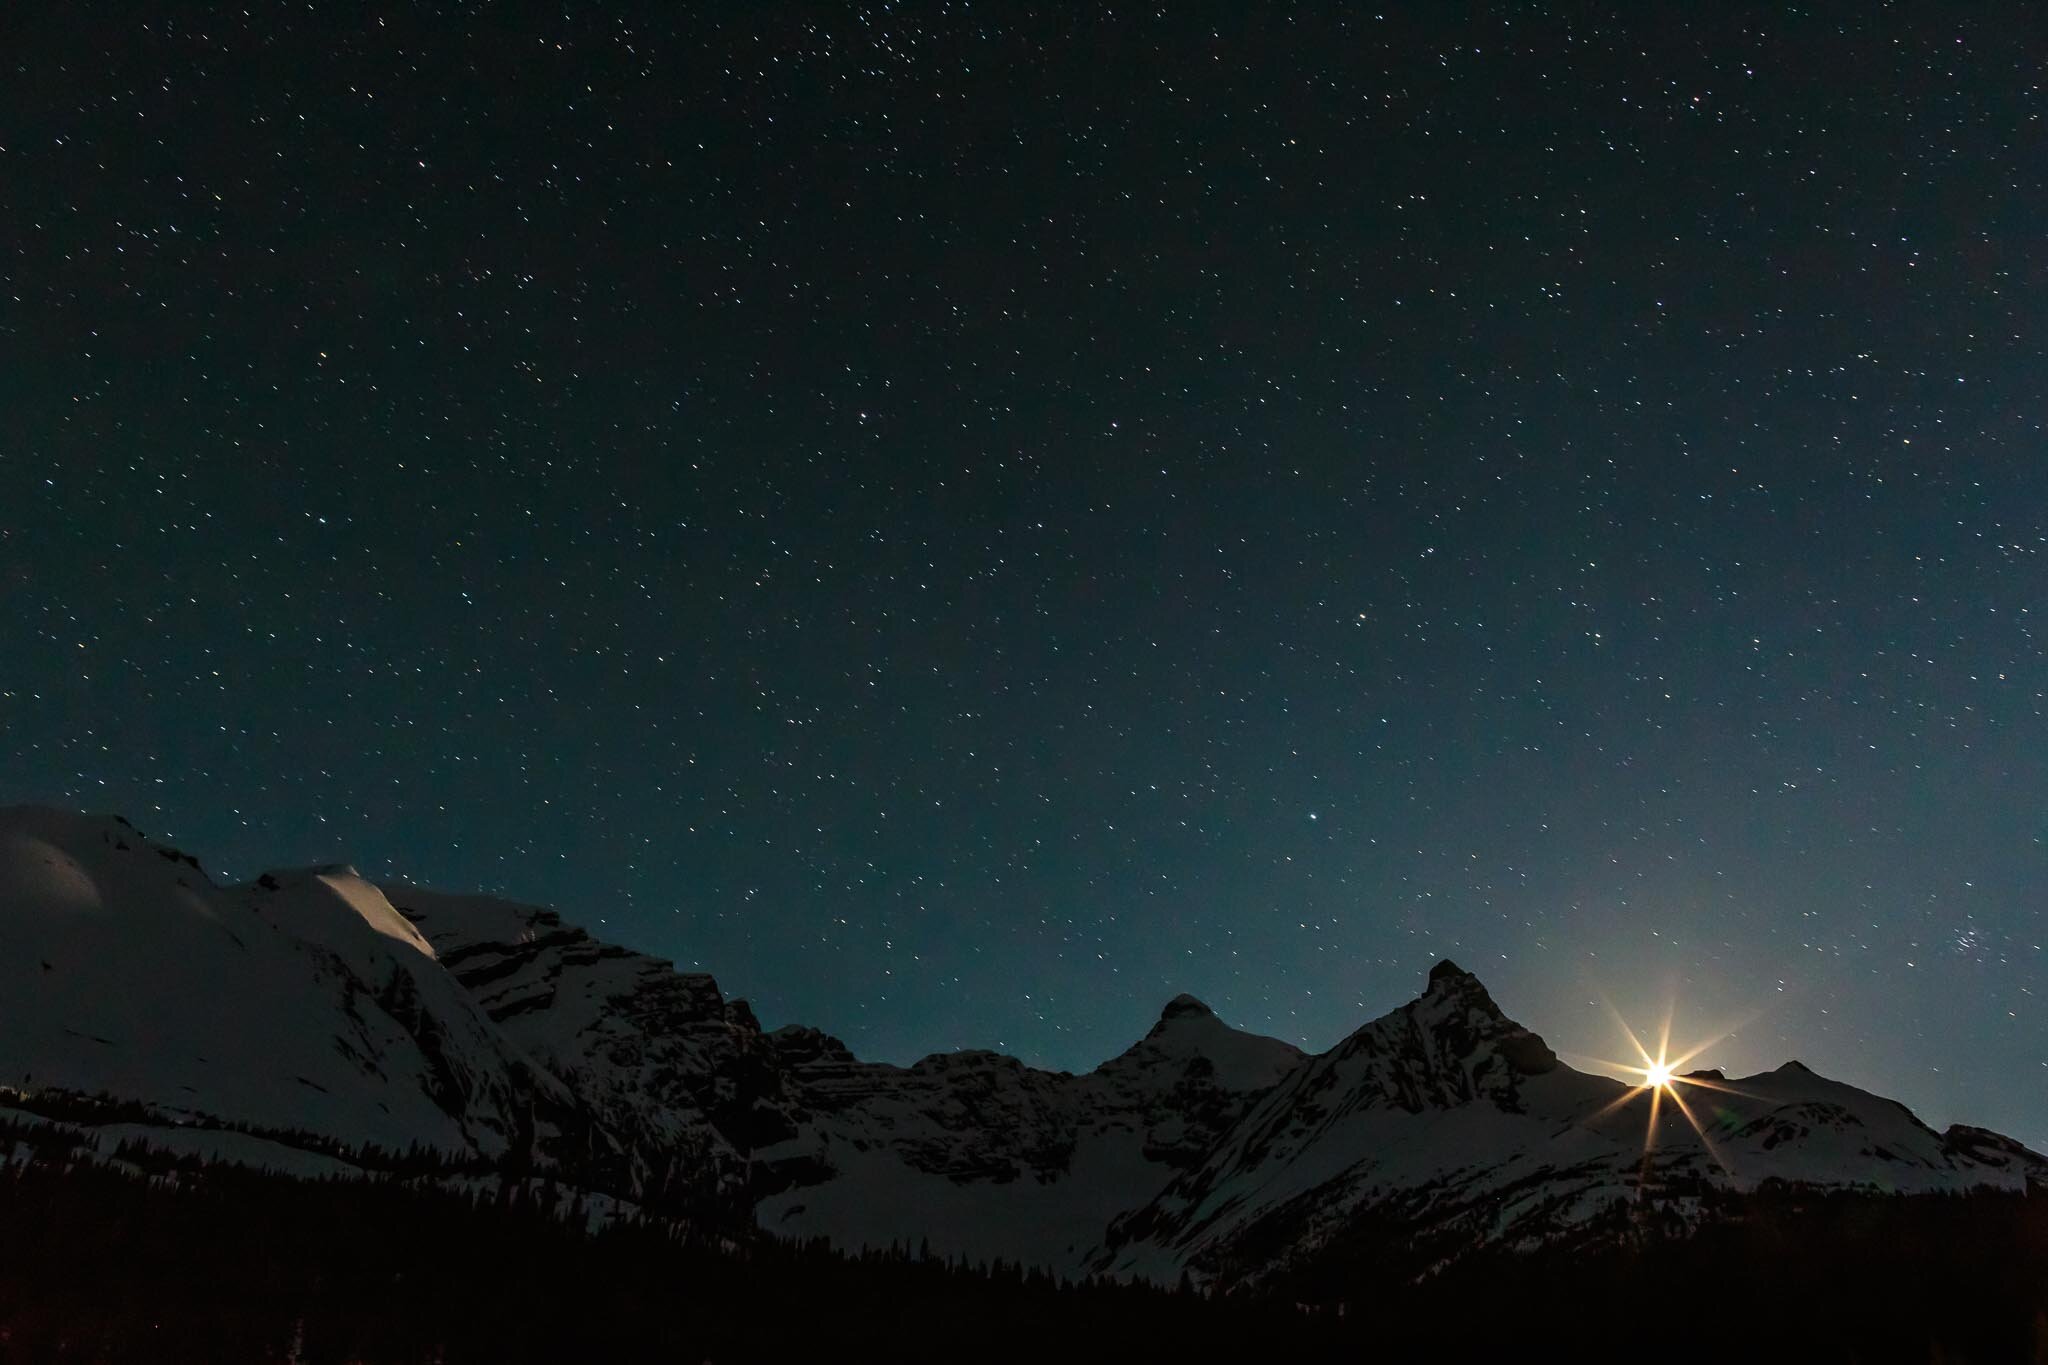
(316, 1022)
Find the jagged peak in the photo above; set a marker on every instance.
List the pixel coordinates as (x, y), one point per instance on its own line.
(1460, 1020)
(1452, 984)
(1448, 972)
(1190, 1033)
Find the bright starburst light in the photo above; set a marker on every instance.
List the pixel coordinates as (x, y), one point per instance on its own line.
(1662, 1076)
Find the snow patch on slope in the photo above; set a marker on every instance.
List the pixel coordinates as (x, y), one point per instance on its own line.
(124, 971)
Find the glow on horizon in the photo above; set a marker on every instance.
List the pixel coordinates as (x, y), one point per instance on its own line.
(1662, 1075)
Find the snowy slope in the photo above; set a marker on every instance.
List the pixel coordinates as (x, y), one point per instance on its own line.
(985, 1158)
(319, 1012)
(1452, 1122)
(301, 1005)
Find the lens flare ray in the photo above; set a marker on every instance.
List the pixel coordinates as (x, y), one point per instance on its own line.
(1662, 1075)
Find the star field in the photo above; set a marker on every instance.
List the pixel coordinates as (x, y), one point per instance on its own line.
(965, 522)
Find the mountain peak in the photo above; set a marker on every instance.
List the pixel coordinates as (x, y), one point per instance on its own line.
(1452, 987)
(1189, 1030)
(1447, 1028)
(1448, 972)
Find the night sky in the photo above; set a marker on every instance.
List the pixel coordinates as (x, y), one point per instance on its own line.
(966, 522)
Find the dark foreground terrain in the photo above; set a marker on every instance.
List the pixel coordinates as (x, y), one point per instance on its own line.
(229, 1266)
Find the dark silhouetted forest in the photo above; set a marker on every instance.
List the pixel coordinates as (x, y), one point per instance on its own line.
(221, 1265)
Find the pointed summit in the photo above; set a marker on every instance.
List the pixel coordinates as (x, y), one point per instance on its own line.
(1444, 1040)
(1448, 972)
(1188, 1031)
(1452, 987)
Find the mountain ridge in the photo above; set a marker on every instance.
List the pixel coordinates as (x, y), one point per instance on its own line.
(398, 1017)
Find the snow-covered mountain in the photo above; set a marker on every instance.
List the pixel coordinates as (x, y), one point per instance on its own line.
(312, 1019)
(299, 1003)
(675, 1086)
(984, 1157)
(1447, 1120)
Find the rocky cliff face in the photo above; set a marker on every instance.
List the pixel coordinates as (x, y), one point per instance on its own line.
(315, 1021)
(670, 1084)
(978, 1155)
